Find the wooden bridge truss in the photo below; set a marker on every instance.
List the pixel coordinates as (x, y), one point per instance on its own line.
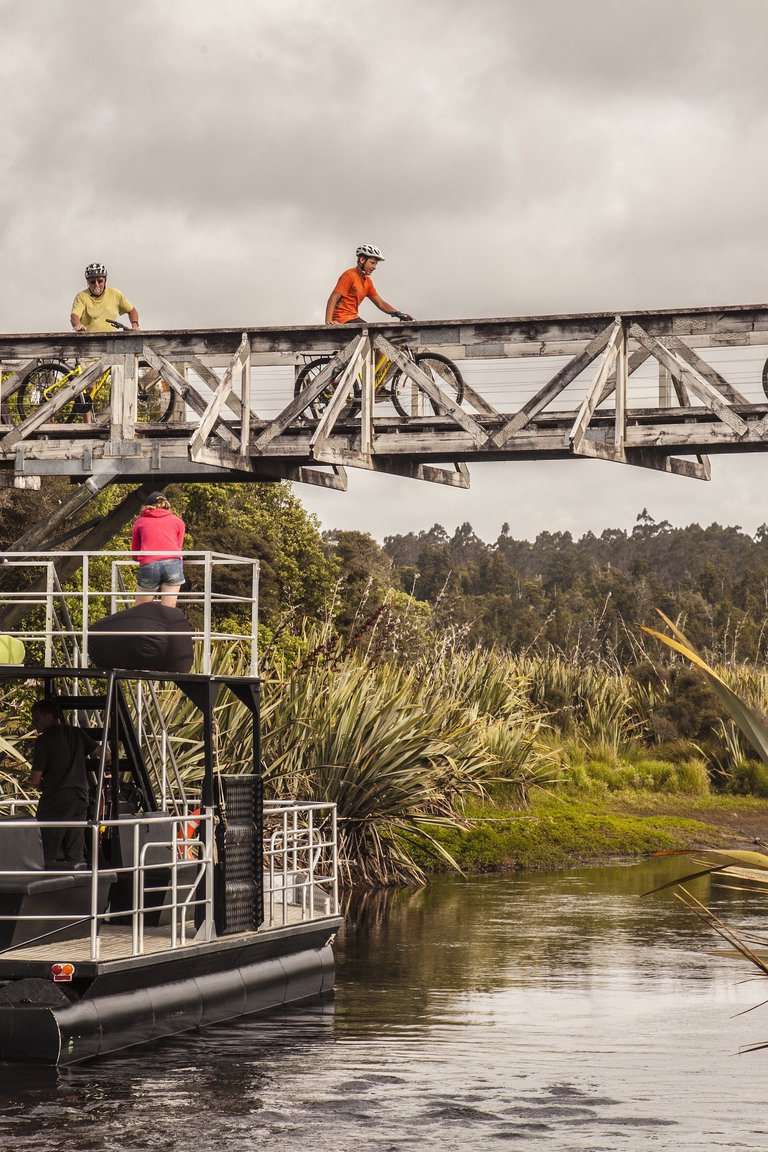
(574, 386)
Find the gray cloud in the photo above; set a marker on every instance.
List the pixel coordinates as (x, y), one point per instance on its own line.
(511, 157)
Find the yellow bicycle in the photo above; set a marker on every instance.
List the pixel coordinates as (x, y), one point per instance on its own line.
(391, 383)
(41, 383)
(43, 380)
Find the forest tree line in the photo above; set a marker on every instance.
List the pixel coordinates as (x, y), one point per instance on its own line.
(587, 596)
(582, 597)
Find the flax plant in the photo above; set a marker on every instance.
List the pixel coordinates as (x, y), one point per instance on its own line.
(750, 718)
(595, 703)
(738, 871)
(745, 871)
(398, 748)
(375, 741)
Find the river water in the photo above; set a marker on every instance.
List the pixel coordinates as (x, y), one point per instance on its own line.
(558, 1011)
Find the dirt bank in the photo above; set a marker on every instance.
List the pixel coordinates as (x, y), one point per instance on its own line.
(729, 821)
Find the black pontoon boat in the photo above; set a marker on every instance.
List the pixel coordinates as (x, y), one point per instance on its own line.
(193, 908)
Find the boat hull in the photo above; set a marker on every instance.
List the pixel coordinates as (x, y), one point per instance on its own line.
(213, 986)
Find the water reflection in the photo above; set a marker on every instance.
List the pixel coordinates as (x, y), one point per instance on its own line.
(576, 928)
(559, 1011)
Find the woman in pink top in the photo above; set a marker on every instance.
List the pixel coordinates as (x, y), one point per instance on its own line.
(158, 536)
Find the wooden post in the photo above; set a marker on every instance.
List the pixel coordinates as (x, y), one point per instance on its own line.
(178, 403)
(622, 374)
(368, 398)
(342, 389)
(123, 401)
(596, 390)
(244, 361)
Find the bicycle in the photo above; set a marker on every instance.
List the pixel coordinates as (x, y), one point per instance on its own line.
(41, 383)
(390, 383)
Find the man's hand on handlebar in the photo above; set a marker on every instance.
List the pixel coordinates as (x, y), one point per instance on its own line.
(403, 316)
(114, 323)
(123, 327)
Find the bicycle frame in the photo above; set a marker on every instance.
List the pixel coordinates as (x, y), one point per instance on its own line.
(385, 369)
(89, 393)
(389, 383)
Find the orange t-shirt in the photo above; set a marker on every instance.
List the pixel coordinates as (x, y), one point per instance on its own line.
(353, 289)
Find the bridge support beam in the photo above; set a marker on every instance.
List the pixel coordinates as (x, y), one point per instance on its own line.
(235, 418)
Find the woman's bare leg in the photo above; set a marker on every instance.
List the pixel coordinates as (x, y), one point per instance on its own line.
(169, 594)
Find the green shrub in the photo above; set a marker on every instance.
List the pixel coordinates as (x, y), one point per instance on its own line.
(692, 777)
(597, 770)
(748, 778)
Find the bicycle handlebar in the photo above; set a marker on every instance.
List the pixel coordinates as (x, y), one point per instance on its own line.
(117, 324)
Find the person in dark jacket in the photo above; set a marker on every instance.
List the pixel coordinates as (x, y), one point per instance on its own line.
(158, 536)
(59, 771)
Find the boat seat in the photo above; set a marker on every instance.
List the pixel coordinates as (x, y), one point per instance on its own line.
(41, 893)
(33, 885)
(21, 848)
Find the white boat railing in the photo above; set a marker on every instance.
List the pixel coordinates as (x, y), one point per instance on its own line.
(188, 889)
(184, 893)
(300, 862)
(300, 879)
(107, 585)
(10, 805)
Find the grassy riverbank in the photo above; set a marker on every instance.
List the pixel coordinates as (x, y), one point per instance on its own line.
(557, 831)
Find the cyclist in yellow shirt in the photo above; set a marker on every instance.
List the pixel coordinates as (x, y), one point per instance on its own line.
(97, 305)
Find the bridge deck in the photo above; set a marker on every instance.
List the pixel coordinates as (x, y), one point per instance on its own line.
(656, 388)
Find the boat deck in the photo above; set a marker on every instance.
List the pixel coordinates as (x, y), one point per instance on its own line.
(116, 945)
(116, 942)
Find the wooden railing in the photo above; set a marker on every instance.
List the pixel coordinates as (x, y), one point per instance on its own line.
(235, 415)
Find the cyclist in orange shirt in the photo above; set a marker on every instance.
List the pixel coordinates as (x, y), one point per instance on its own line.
(354, 286)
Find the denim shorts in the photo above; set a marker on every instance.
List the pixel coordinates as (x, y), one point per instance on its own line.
(158, 572)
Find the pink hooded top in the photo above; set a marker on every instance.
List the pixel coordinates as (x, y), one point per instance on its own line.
(157, 530)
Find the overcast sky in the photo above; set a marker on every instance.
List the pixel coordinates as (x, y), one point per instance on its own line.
(509, 156)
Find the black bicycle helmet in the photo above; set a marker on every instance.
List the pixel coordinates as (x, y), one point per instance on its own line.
(95, 272)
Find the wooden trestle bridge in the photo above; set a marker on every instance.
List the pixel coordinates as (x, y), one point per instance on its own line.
(663, 390)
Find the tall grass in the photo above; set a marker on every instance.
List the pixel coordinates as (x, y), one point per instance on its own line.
(404, 745)
(398, 748)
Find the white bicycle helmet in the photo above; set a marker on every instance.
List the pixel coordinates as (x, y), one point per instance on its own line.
(95, 272)
(369, 250)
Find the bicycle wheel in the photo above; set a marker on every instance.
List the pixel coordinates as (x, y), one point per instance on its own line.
(155, 396)
(39, 385)
(409, 400)
(9, 410)
(96, 399)
(309, 373)
(765, 377)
